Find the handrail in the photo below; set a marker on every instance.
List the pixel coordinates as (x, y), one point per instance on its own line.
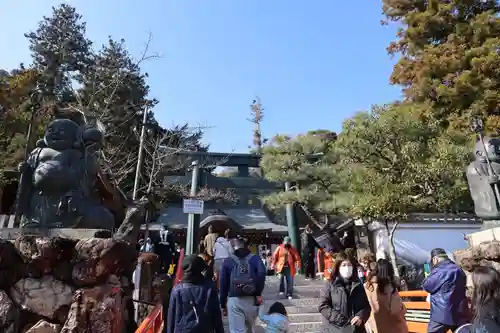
(153, 323)
(414, 293)
(419, 309)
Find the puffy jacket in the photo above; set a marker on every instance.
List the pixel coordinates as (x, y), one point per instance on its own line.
(258, 272)
(293, 259)
(447, 285)
(182, 317)
(340, 303)
(275, 322)
(222, 248)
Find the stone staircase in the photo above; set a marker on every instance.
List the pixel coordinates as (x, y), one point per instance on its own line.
(302, 309)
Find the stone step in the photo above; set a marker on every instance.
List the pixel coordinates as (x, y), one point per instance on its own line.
(298, 302)
(295, 318)
(298, 318)
(292, 328)
(299, 292)
(301, 309)
(273, 280)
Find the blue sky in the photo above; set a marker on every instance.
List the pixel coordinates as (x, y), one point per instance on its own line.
(312, 63)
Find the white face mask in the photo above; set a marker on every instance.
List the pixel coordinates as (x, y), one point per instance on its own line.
(345, 271)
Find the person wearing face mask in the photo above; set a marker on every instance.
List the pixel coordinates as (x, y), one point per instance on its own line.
(446, 285)
(286, 263)
(343, 304)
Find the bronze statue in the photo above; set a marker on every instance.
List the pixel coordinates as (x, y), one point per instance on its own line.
(59, 179)
(482, 176)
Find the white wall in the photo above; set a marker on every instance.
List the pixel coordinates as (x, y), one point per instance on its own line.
(414, 241)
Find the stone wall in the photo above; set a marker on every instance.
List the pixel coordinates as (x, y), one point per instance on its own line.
(58, 285)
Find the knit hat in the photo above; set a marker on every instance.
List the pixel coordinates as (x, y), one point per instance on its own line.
(193, 267)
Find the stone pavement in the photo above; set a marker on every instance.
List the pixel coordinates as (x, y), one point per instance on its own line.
(302, 310)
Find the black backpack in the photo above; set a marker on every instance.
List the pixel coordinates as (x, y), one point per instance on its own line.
(194, 319)
(242, 280)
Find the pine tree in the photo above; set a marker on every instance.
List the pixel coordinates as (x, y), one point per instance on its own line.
(61, 52)
(310, 163)
(449, 58)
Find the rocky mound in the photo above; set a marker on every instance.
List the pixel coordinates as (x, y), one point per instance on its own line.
(60, 285)
(485, 254)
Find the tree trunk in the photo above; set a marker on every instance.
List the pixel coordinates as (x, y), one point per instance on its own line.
(392, 248)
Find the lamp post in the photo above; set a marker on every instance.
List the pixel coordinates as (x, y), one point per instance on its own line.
(193, 219)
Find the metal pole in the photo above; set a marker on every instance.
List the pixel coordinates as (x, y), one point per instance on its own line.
(193, 219)
(293, 229)
(138, 169)
(150, 186)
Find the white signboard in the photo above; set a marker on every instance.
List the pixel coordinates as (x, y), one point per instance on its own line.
(190, 206)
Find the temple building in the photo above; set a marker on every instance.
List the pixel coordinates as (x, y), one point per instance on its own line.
(245, 215)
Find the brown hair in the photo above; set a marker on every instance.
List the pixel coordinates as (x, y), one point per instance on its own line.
(351, 253)
(368, 258)
(486, 292)
(339, 258)
(384, 275)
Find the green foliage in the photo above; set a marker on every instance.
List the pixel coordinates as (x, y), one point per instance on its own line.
(384, 164)
(449, 58)
(60, 51)
(399, 163)
(107, 85)
(309, 163)
(15, 114)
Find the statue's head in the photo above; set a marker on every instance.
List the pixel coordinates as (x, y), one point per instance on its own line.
(492, 147)
(62, 134)
(91, 136)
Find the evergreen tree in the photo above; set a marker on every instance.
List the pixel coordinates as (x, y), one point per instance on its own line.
(310, 163)
(60, 52)
(449, 58)
(398, 164)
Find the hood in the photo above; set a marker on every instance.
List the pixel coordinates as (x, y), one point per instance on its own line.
(192, 267)
(241, 253)
(222, 240)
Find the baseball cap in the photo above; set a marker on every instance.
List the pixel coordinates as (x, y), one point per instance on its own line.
(439, 252)
(287, 240)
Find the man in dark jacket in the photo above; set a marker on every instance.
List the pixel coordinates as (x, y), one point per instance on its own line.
(242, 311)
(194, 306)
(308, 246)
(446, 285)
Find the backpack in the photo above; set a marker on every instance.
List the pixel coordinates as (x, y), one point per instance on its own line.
(194, 318)
(242, 281)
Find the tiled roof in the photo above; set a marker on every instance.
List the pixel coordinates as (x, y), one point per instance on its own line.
(443, 218)
(247, 217)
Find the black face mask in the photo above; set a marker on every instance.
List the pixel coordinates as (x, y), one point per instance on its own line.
(287, 246)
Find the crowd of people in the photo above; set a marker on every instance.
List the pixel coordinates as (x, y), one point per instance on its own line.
(359, 296)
